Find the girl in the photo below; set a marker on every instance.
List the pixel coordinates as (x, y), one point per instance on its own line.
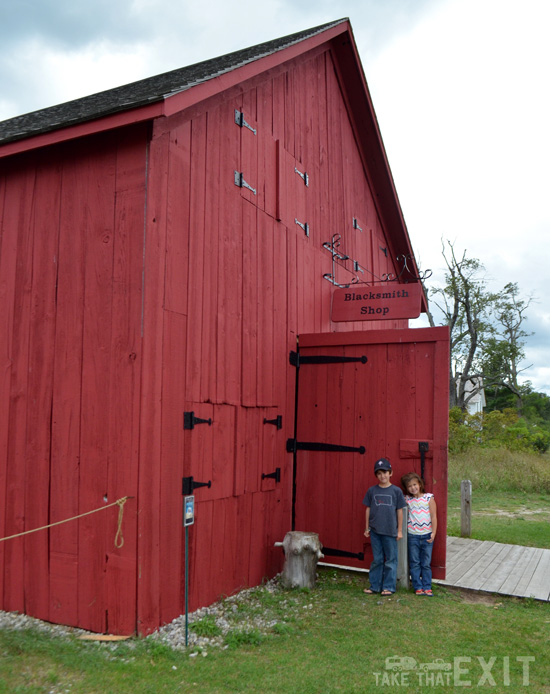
(421, 530)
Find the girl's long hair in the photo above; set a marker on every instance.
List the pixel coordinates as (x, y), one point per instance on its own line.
(408, 478)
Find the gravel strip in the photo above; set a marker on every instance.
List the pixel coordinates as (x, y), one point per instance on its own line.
(254, 611)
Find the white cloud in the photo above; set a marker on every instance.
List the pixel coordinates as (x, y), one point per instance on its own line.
(459, 87)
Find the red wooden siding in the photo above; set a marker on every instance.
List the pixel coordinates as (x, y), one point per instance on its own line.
(138, 282)
(71, 273)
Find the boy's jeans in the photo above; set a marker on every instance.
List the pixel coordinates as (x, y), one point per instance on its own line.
(383, 570)
(420, 557)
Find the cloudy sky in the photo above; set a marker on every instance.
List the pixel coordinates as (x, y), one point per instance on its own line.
(460, 88)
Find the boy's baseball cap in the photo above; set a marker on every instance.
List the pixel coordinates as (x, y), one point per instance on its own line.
(382, 464)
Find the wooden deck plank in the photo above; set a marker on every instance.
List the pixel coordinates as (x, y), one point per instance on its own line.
(478, 573)
(509, 561)
(462, 561)
(539, 585)
(516, 573)
(530, 566)
(496, 567)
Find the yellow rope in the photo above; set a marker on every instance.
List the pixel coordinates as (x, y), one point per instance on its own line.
(119, 540)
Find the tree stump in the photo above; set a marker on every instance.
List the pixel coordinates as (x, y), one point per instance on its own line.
(302, 552)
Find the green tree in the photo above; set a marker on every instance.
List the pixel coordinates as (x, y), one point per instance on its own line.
(504, 351)
(465, 303)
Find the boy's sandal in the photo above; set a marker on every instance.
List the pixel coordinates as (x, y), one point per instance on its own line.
(386, 592)
(419, 592)
(429, 593)
(369, 591)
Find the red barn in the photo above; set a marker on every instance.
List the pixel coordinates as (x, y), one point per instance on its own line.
(170, 251)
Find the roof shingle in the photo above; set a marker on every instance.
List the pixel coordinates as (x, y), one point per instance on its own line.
(145, 91)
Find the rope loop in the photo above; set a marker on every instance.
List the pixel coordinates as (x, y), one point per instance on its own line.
(119, 540)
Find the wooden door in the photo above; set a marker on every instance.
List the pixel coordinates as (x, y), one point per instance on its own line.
(362, 396)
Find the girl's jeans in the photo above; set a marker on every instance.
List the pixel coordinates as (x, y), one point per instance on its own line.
(383, 570)
(420, 557)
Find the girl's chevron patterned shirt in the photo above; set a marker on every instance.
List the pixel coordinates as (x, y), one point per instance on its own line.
(420, 521)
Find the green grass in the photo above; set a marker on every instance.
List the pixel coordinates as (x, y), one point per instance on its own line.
(511, 517)
(510, 496)
(500, 470)
(336, 640)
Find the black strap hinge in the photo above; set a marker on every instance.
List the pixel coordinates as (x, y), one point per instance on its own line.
(188, 485)
(189, 420)
(273, 475)
(330, 552)
(292, 446)
(278, 421)
(423, 447)
(296, 359)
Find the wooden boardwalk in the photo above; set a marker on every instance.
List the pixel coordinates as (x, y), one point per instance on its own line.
(493, 567)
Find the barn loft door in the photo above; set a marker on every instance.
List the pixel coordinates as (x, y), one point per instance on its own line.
(361, 396)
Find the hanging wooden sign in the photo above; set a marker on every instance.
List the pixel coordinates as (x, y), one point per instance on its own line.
(382, 302)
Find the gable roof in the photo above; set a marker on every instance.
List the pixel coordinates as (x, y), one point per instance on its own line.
(173, 91)
(145, 91)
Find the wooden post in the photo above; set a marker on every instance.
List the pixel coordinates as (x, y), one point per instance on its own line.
(465, 508)
(402, 556)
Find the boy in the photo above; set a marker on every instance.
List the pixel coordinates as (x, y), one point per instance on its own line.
(384, 518)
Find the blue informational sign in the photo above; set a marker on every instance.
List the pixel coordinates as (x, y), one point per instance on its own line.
(188, 510)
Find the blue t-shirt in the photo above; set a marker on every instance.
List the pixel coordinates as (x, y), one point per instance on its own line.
(384, 503)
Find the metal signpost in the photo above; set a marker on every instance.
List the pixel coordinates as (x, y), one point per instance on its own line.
(188, 519)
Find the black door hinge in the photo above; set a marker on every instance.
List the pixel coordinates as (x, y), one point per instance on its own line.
(296, 359)
(273, 475)
(189, 420)
(278, 421)
(292, 446)
(330, 552)
(188, 485)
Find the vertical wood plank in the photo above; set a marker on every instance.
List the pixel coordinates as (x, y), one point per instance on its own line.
(251, 307)
(215, 123)
(45, 223)
(17, 188)
(67, 394)
(171, 510)
(96, 382)
(149, 580)
(197, 290)
(230, 272)
(177, 219)
(125, 355)
(7, 290)
(16, 521)
(265, 301)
